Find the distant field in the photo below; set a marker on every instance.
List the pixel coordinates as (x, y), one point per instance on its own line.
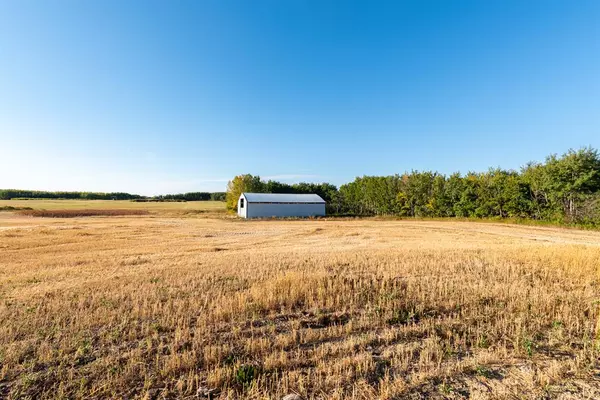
(162, 306)
(213, 206)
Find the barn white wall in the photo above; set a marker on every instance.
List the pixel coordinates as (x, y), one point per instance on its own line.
(258, 210)
(242, 211)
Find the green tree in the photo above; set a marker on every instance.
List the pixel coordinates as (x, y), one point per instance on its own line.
(572, 179)
(239, 185)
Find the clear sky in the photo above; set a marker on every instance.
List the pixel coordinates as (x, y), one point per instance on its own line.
(171, 96)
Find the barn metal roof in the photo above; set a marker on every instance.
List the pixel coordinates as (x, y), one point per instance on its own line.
(282, 198)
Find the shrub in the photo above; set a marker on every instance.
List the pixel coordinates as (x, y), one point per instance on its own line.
(245, 374)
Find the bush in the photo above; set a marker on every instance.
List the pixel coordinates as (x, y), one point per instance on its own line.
(11, 208)
(245, 374)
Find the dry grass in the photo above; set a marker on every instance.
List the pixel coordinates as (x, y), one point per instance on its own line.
(165, 307)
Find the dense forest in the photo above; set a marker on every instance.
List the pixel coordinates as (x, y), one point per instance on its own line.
(8, 194)
(563, 189)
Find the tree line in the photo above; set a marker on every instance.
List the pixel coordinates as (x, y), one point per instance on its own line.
(191, 196)
(8, 194)
(562, 189)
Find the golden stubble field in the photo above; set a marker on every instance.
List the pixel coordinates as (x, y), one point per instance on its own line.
(199, 304)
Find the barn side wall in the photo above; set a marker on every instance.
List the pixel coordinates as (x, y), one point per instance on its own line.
(258, 210)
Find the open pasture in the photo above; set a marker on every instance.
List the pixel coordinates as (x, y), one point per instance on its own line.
(161, 207)
(174, 305)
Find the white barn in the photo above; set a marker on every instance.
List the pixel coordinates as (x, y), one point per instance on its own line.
(265, 205)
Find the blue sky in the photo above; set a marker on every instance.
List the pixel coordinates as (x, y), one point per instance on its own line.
(171, 96)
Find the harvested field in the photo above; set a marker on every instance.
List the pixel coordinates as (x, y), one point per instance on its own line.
(73, 213)
(162, 207)
(176, 307)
